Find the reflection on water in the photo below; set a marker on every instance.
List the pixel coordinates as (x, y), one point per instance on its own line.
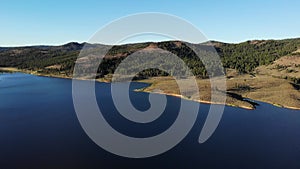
(39, 129)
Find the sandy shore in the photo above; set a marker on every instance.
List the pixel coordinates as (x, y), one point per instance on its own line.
(12, 69)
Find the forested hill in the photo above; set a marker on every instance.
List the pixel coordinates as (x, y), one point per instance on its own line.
(244, 57)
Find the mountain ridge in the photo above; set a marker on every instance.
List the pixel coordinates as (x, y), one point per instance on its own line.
(245, 57)
(209, 41)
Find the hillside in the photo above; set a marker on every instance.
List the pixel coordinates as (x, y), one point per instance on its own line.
(286, 67)
(244, 57)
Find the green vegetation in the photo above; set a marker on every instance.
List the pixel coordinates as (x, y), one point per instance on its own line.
(244, 57)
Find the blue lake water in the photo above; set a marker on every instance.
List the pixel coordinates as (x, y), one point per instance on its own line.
(39, 129)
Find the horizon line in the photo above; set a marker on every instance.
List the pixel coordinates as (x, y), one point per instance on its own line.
(148, 41)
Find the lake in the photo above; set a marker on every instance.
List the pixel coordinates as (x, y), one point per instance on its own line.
(39, 129)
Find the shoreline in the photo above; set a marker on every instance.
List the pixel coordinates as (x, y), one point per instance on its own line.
(13, 70)
(16, 70)
(198, 101)
(209, 102)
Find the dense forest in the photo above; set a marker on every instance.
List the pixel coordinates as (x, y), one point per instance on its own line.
(248, 55)
(244, 57)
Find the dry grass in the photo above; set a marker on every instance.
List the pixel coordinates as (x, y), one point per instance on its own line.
(287, 66)
(9, 69)
(54, 67)
(169, 86)
(268, 89)
(262, 88)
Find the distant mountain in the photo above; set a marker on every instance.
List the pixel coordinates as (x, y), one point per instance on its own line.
(3, 48)
(244, 57)
(214, 43)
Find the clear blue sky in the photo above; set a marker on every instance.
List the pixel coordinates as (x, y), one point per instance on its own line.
(33, 22)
